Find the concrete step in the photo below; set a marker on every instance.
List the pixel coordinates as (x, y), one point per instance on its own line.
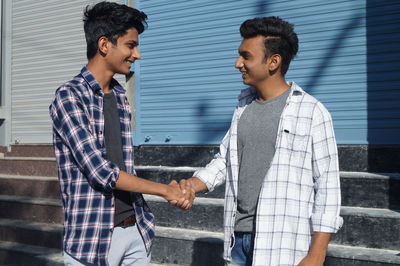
(30, 186)
(28, 166)
(191, 247)
(160, 264)
(31, 209)
(369, 227)
(12, 253)
(371, 190)
(38, 150)
(196, 156)
(165, 174)
(361, 158)
(187, 247)
(207, 214)
(358, 188)
(340, 255)
(173, 246)
(31, 233)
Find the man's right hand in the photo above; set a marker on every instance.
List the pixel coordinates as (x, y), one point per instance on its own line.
(180, 195)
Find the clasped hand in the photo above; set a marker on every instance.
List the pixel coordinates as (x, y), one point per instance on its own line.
(181, 195)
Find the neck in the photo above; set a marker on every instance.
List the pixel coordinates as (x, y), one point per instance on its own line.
(102, 75)
(272, 88)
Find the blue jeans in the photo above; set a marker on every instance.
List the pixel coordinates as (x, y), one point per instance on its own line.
(242, 251)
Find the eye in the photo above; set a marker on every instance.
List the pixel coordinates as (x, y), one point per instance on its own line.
(131, 45)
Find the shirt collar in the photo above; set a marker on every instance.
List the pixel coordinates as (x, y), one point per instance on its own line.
(95, 86)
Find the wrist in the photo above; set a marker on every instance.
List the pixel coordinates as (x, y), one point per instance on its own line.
(164, 191)
(197, 184)
(318, 256)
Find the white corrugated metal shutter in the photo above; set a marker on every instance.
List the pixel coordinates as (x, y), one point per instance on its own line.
(48, 48)
(187, 86)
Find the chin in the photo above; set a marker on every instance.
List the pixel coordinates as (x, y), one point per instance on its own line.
(124, 72)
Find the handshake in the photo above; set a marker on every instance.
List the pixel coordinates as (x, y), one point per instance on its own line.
(181, 194)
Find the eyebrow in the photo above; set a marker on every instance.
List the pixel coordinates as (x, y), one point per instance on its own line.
(136, 43)
(242, 53)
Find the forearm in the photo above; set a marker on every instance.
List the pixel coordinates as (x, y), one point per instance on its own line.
(319, 245)
(197, 184)
(133, 183)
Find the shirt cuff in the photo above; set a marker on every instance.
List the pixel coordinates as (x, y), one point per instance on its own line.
(326, 223)
(110, 186)
(204, 175)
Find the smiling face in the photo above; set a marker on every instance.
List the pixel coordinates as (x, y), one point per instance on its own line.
(251, 61)
(121, 56)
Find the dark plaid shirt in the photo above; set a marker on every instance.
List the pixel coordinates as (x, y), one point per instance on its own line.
(87, 178)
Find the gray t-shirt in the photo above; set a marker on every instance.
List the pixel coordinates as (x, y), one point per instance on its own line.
(257, 131)
(112, 136)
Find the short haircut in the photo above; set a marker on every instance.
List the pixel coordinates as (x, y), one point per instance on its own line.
(280, 37)
(110, 20)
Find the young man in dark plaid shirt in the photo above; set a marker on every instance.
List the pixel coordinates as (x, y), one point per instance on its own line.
(106, 220)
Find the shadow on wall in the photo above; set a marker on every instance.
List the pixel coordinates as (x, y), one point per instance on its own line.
(213, 127)
(262, 8)
(383, 64)
(335, 46)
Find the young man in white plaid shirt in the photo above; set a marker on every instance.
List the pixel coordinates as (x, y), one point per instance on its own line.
(279, 160)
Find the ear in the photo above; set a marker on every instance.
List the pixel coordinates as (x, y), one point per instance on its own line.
(103, 45)
(275, 62)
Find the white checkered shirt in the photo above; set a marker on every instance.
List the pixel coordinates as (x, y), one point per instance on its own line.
(300, 193)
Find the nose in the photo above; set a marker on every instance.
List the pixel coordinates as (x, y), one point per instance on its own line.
(239, 63)
(136, 54)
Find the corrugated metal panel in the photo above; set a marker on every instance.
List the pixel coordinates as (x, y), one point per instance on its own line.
(187, 86)
(48, 48)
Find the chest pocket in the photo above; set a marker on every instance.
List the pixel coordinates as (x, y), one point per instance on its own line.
(295, 135)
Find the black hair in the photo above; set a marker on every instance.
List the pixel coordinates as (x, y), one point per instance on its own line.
(110, 20)
(280, 37)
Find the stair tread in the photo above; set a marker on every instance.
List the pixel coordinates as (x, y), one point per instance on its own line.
(31, 200)
(362, 253)
(347, 174)
(187, 234)
(25, 248)
(27, 158)
(334, 250)
(28, 177)
(345, 210)
(22, 224)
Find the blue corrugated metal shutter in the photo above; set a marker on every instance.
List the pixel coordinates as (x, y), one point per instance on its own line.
(187, 86)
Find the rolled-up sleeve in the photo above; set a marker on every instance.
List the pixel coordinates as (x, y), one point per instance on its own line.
(326, 211)
(72, 125)
(214, 174)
